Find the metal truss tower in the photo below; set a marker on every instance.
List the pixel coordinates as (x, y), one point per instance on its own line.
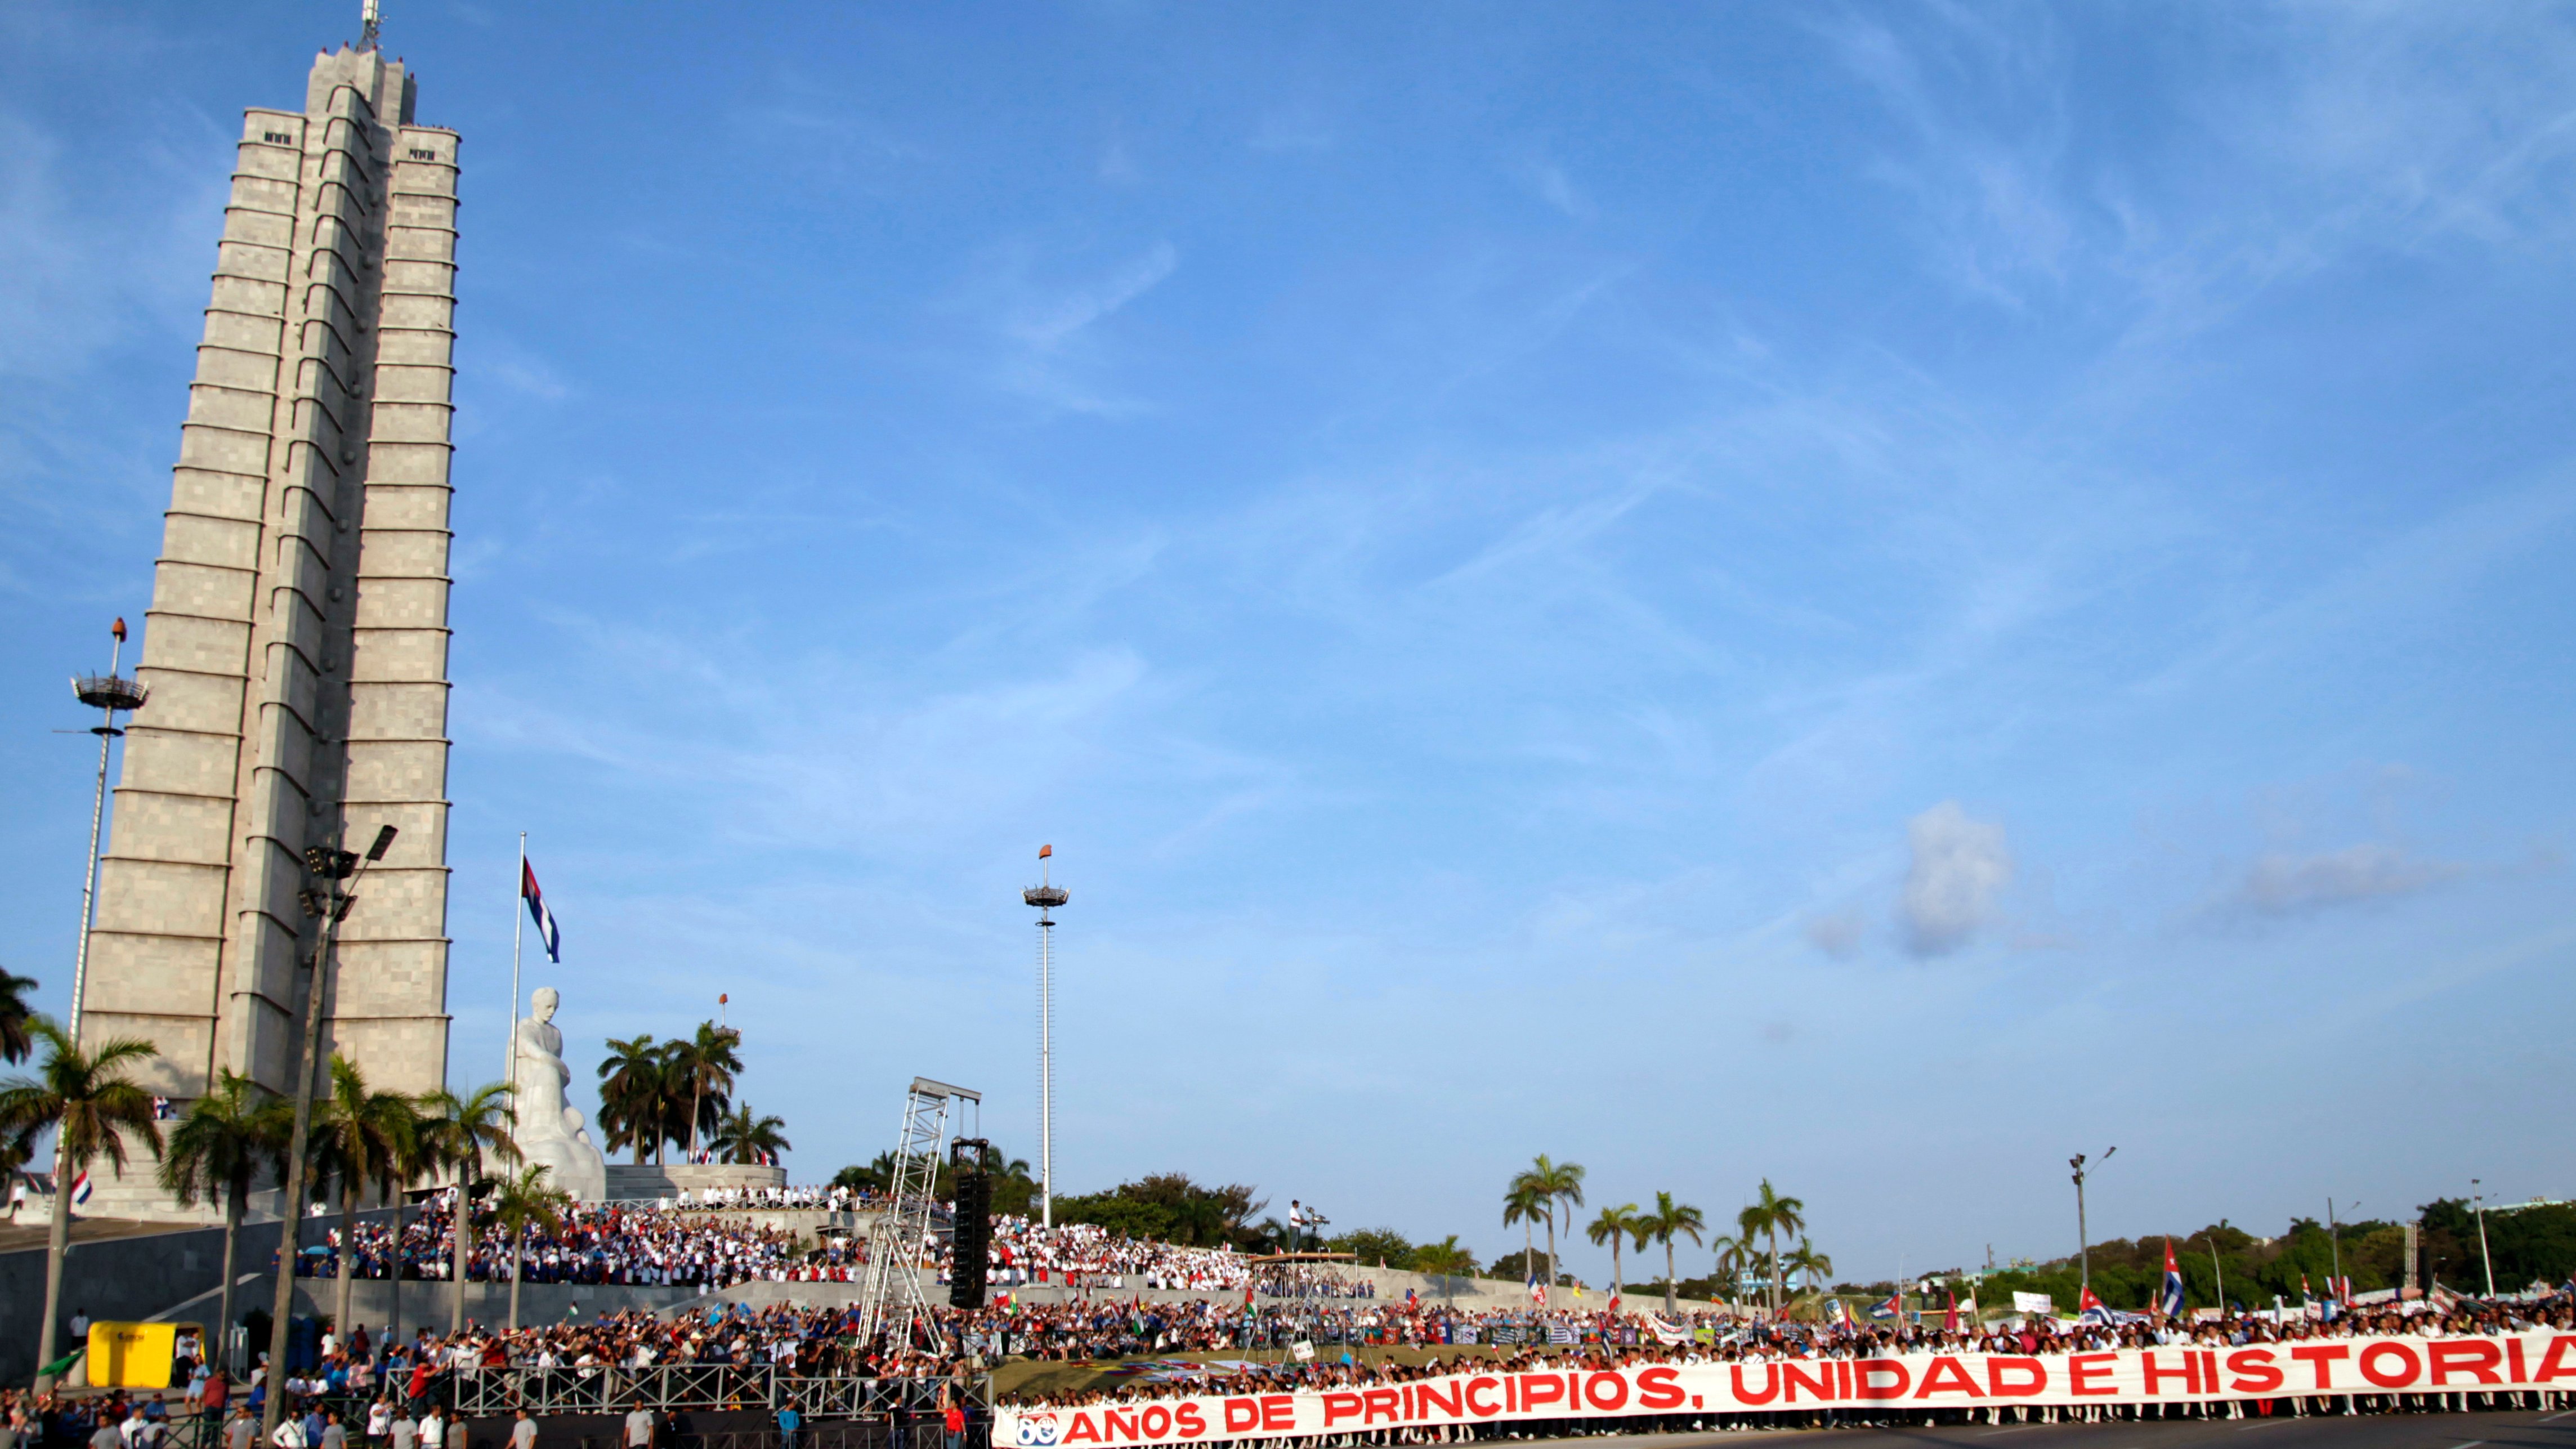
(891, 1299)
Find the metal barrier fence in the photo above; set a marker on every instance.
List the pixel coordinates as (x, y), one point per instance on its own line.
(665, 1387)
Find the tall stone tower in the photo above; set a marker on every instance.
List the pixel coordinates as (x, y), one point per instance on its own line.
(297, 643)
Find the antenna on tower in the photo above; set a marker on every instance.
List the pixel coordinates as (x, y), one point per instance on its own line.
(370, 19)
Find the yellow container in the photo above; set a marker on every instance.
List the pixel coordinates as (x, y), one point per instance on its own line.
(135, 1355)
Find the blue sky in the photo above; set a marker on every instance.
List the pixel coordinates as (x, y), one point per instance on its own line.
(1876, 595)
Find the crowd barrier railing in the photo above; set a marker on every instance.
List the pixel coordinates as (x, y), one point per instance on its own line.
(485, 1392)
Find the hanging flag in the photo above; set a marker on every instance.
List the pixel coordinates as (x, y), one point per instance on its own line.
(536, 900)
(2169, 1302)
(1950, 1311)
(80, 1189)
(1536, 1293)
(2304, 1295)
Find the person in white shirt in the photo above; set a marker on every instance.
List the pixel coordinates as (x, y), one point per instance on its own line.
(290, 1433)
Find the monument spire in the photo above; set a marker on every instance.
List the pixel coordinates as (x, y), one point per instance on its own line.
(296, 648)
(370, 19)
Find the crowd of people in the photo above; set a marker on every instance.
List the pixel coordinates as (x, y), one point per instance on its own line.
(1602, 1340)
(1024, 1251)
(608, 1244)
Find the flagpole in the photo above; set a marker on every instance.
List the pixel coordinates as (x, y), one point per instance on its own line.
(518, 922)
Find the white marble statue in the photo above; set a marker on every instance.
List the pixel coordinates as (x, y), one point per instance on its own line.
(550, 1130)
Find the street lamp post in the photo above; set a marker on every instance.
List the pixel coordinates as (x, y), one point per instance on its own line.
(331, 902)
(2083, 1240)
(2334, 1244)
(2483, 1255)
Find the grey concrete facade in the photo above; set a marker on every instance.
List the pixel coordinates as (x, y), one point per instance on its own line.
(296, 647)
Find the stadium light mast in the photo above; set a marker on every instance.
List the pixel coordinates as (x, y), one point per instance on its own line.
(112, 695)
(1046, 897)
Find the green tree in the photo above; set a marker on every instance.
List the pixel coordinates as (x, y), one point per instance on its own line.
(635, 1096)
(702, 1070)
(1374, 1247)
(1770, 1216)
(518, 1204)
(1735, 1254)
(1614, 1225)
(460, 1135)
(229, 1134)
(1668, 1221)
(1811, 1265)
(1559, 1187)
(1446, 1260)
(17, 1039)
(746, 1137)
(86, 1097)
(360, 1138)
(1524, 1203)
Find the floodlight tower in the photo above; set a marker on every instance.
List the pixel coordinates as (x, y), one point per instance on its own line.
(1046, 898)
(112, 695)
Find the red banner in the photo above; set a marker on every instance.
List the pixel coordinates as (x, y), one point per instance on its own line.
(2183, 1374)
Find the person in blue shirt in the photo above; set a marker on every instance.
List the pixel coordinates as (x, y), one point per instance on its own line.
(789, 1421)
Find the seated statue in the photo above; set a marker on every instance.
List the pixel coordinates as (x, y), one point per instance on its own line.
(550, 1130)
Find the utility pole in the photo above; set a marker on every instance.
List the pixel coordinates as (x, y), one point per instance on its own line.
(2334, 1241)
(331, 902)
(2483, 1254)
(2083, 1239)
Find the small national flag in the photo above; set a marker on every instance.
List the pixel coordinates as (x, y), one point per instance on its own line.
(1536, 1293)
(2304, 1294)
(536, 899)
(80, 1189)
(1894, 1307)
(2169, 1302)
(2090, 1310)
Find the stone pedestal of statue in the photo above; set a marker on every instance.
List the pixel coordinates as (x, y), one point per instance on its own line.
(550, 1130)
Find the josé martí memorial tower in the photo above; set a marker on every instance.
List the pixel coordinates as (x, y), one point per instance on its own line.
(296, 651)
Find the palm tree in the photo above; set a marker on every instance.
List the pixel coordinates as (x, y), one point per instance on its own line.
(460, 1132)
(215, 1151)
(747, 1138)
(1810, 1264)
(1613, 1225)
(16, 1041)
(705, 1066)
(1772, 1215)
(86, 1099)
(634, 1096)
(1558, 1185)
(1734, 1255)
(1446, 1260)
(1523, 1204)
(520, 1203)
(360, 1138)
(1668, 1221)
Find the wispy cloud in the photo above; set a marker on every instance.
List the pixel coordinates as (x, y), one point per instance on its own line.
(2281, 884)
(1054, 354)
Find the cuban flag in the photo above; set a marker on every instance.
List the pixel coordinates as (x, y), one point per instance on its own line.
(1894, 1307)
(1536, 1293)
(80, 1189)
(2090, 1310)
(536, 900)
(2169, 1301)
